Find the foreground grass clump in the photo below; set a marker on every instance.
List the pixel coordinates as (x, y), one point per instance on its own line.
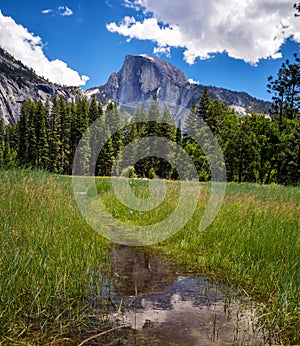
(254, 241)
(50, 260)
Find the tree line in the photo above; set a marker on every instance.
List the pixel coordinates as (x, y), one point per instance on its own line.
(260, 148)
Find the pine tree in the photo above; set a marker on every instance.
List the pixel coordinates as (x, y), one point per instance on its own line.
(151, 130)
(54, 133)
(10, 149)
(203, 107)
(24, 133)
(130, 136)
(32, 155)
(167, 130)
(106, 159)
(97, 139)
(179, 142)
(286, 91)
(178, 135)
(115, 124)
(190, 124)
(288, 153)
(141, 121)
(94, 110)
(83, 134)
(43, 156)
(65, 136)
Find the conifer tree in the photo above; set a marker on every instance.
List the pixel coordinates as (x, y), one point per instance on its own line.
(83, 134)
(190, 124)
(32, 154)
(24, 133)
(43, 156)
(97, 121)
(178, 135)
(114, 125)
(179, 142)
(95, 110)
(167, 130)
(203, 107)
(152, 130)
(106, 159)
(55, 144)
(65, 136)
(101, 138)
(10, 149)
(141, 119)
(286, 91)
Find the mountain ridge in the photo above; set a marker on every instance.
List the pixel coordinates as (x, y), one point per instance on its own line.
(144, 75)
(18, 82)
(140, 77)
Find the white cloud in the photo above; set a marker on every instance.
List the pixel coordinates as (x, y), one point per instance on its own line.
(62, 10)
(48, 10)
(65, 11)
(131, 4)
(149, 29)
(27, 47)
(246, 29)
(192, 81)
(162, 50)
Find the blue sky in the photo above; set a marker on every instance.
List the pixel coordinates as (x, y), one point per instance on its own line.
(236, 45)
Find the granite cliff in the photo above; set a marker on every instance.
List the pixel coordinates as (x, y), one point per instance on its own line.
(18, 82)
(143, 76)
(138, 80)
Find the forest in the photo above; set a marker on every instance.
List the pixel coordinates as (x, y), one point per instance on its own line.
(262, 148)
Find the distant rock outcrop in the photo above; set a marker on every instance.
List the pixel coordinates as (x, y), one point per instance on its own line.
(138, 80)
(142, 76)
(18, 82)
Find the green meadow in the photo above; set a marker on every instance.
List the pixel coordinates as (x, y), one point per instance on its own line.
(52, 264)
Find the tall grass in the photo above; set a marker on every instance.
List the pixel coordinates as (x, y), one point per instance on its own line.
(49, 261)
(254, 241)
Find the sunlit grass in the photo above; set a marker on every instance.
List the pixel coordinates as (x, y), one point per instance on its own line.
(255, 242)
(51, 261)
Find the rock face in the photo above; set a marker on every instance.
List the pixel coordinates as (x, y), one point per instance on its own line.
(138, 80)
(143, 76)
(17, 83)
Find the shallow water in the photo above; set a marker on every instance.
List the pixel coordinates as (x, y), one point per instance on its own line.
(159, 304)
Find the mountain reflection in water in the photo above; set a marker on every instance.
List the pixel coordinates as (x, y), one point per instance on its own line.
(164, 306)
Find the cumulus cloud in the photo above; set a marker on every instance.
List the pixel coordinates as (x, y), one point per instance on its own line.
(162, 50)
(192, 81)
(246, 29)
(65, 11)
(62, 10)
(131, 4)
(28, 48)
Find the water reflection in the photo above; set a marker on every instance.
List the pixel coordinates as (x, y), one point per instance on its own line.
(170, 308)
(137, 272)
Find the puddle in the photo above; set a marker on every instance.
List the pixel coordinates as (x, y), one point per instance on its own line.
(159, 304)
